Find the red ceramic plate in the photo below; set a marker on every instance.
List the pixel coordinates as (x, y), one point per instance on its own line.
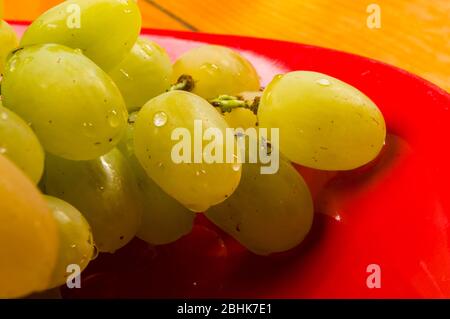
(392, 215)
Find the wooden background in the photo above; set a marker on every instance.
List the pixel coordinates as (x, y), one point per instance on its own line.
(414, 34)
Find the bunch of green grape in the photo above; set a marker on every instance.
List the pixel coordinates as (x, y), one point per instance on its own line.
(80, 175)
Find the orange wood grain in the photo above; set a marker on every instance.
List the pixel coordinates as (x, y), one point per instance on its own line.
(27, 10)
(414, 34)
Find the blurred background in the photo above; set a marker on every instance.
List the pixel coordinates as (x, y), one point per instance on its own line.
(411, 34)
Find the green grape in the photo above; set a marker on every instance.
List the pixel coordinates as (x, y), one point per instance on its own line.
(241, 118)
(164, 220)
(217, 70)
(104, 190)
(19, 143)
(189, 173)
(75, 109)
(143, 74)
(267, 213)
(75, 240)
(324, 123)
(28, 235)
(105, 30)
(8, 42)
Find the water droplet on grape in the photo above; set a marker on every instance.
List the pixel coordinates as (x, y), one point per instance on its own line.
(88, 128)
(160, 164)
(236, 167)
(125, 73)
(160, 119)
(148, 50)
(133, 117)
(2, 150)
(211, 68)
(12, 65)
(198, 173)
(73, 246)
(113, 118)
(4, 116)
(324, 82)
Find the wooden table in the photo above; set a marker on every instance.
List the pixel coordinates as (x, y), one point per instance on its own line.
(413, 34)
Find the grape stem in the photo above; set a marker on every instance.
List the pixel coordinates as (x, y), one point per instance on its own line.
(184, 83)
(227, 103)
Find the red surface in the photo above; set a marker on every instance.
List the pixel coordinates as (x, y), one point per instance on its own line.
(394, 212)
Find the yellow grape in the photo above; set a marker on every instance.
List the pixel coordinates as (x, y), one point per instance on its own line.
(105, 30)
(217, 70)
(324, 123)
(241, 118)
(74, 107)
(143, 74)
(28, 235)
(197, 185)
(76, 246)
(104, 190)
(19, 143)
(267, 213)
(164, 220)
(8, 42)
